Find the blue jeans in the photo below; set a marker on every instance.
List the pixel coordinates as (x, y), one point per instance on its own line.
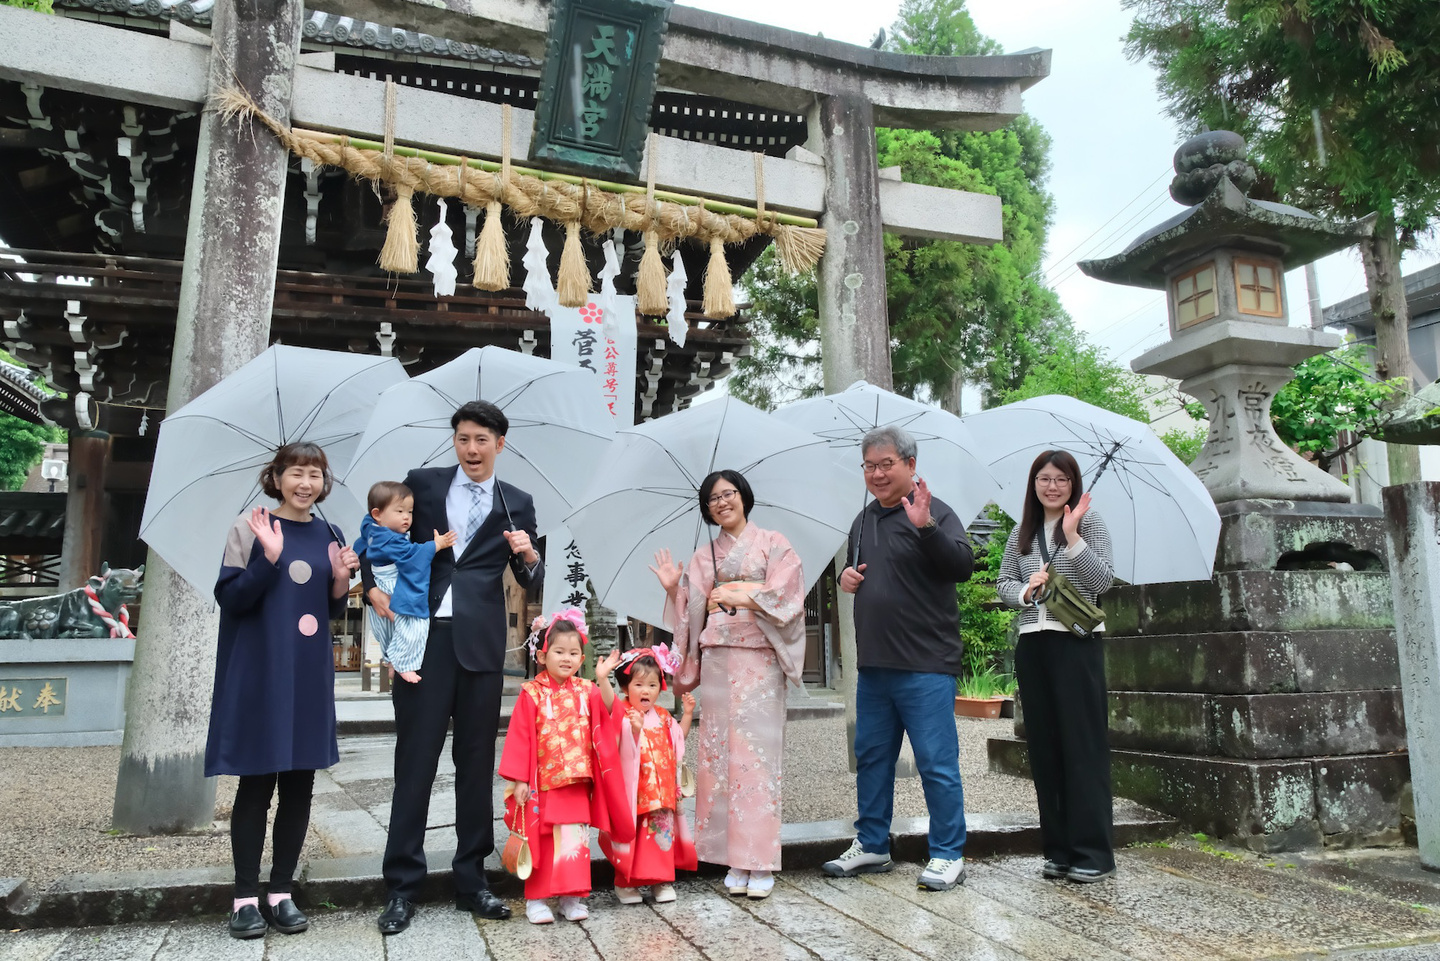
(888, 705)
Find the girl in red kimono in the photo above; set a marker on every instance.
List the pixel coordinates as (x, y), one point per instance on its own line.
(559, 755)
(652, 745)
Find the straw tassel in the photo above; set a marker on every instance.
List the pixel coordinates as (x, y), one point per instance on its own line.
(650, 282)
(719, 293)
(401, 253)
(573, 284)
(492, 258)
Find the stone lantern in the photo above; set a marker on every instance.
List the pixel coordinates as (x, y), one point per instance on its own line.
(1262, 705)
(1222, 266)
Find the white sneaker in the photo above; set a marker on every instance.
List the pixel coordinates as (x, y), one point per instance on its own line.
(573, 909)
(761, 884)
(538, 912)
(663, 893)
(737, 882)
(855, 861)
(628, 895)
(942, 874)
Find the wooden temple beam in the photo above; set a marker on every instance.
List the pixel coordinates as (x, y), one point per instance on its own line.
(142, 68)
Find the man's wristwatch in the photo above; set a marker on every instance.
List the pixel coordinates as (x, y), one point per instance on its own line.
(929, 525)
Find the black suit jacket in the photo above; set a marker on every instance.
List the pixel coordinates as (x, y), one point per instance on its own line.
(478, 602)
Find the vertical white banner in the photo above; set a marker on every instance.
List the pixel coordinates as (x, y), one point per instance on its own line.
(577, 337)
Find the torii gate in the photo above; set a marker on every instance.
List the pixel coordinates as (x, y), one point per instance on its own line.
(233, 235)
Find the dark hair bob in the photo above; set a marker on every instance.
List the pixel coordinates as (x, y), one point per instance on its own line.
(747, 496)
(301, 454)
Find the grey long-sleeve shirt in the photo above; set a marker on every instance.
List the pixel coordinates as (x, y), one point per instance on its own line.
(906, 613)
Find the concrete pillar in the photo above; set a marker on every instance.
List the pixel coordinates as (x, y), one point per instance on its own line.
(1412, 518)
(854, 322)
(85, 508)
(227, 290)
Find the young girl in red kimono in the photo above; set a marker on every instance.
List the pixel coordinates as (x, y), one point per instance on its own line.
(559, 754)
(652, 745)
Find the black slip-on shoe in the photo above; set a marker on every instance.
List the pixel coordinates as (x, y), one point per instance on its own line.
(247, 923)
(483, 904)
(396, 916)
(1054, 869)
(285, 917)
(1088, 875)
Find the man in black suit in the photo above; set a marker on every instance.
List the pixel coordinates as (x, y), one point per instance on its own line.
(461, 676)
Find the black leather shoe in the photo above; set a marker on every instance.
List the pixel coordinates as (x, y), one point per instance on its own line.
(247, 923)
(285, 917)
(483, 904)
(396, 916)
(1088, 875)
(1054, 869)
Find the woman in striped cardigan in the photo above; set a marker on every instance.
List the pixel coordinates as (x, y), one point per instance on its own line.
(1061, 675)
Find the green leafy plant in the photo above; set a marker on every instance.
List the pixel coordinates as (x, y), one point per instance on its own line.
(984, 622)
(1206, 846)
(985, 684)
(39, 6)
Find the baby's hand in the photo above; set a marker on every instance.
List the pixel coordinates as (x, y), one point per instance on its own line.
(411, 676)
(445, 540)
(688, 701)
(637, 722)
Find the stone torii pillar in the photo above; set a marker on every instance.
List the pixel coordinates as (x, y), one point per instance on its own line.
(227, 290)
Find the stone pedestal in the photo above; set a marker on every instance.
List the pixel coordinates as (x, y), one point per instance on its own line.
(1412, 514)
(1262, 705)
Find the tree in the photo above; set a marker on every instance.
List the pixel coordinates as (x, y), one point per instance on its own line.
(22, 444)
(1076, 368)
(957, 311)
(1332, 395)
(1337, 101)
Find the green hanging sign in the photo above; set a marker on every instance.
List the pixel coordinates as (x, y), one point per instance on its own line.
(597, 83)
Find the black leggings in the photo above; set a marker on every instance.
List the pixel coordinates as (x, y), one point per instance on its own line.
(247, 829)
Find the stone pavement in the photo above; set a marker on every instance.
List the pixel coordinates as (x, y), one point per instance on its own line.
(1166, 903)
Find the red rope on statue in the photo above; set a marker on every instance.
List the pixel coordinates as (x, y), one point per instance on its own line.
(119, 628)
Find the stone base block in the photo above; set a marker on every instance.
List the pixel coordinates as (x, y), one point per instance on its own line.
(1299, 725)
(1253, 662)
(1252, 600)
(1268, 805)
(1178, 723)
(1295, 535)
(63, 692)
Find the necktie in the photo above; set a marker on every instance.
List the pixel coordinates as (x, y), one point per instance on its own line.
(476, 517)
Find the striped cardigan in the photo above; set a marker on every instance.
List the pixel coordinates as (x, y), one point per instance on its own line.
(1091, 570)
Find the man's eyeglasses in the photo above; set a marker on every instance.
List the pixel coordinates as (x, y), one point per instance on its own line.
(884, 465)
(719, 497)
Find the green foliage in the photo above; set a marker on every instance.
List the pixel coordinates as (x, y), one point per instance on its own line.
(1185, 444)
(985, 623)
(985, 683)
(22, 444)
(1208, 847)
(1331, 394)
(956, 311)
(1076, 368)
(39, 6)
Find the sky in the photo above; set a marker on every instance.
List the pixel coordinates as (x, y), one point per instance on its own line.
(1112, 153)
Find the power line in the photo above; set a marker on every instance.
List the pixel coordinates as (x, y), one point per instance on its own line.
(1065, 256)
(1119, 232)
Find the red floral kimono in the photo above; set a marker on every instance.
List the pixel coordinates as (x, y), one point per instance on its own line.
(562, 744)
(650, 765)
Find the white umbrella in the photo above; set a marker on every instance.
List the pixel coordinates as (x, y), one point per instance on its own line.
(946, 455)
(210, 452)
(645, 497)
(1163, 524)
(559, 430)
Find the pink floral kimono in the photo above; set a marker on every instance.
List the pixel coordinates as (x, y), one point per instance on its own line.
(741, 662)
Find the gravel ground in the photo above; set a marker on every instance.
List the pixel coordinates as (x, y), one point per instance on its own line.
(57, 802)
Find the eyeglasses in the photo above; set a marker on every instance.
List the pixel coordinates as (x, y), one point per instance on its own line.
(884, 465)
(720, 497)
(1052, 482)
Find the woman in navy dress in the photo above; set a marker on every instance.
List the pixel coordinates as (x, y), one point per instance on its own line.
(272, 719)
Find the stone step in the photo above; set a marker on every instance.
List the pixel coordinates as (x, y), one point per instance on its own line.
(1256, 600)
(140, 896)
(1268, 805)
(1254, 662)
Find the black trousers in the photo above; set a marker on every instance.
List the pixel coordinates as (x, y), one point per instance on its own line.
(1062, 691)
(423, 711)
(247, 829)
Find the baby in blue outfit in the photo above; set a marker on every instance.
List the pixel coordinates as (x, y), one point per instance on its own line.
(401, 569)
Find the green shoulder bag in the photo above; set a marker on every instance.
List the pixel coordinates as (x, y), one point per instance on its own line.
(1064, 602)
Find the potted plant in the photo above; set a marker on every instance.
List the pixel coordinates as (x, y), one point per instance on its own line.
(981, 693)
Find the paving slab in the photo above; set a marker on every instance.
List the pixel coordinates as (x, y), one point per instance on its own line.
(207, 940)
(826, 934)
(128, 942)
(30, 945)
(707, 918)
(518, 939)
(971, 909)
(446, 935)
(622, 930)
(347, 936)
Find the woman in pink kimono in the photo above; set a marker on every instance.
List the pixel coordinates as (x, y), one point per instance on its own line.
(739, 636)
